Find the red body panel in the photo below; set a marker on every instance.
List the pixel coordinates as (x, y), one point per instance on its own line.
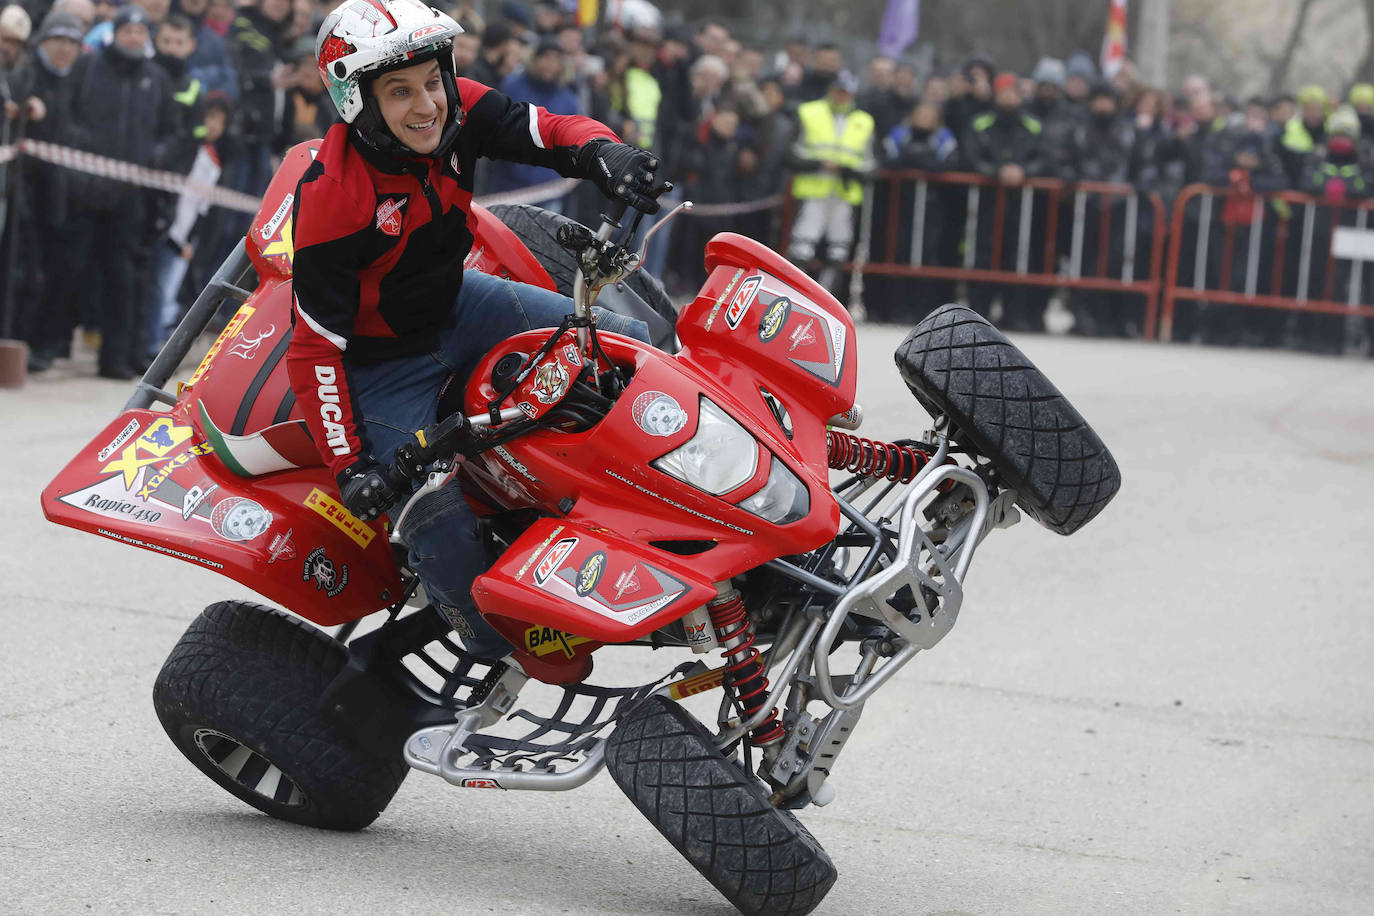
(151, 481)
(584, 579)
(760, 323)
(270, 244)
(498, 251)
(242, 380)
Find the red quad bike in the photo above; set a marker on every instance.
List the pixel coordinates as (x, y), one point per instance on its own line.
(675, 496)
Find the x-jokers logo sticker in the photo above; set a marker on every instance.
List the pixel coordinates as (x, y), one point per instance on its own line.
(162, 438)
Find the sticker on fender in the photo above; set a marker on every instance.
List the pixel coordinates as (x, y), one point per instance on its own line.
(545, 640)
(361, 533)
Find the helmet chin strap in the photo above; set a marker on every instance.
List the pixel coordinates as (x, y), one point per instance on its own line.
(373, 130)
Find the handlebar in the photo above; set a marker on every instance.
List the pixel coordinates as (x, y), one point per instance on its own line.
(442, 440)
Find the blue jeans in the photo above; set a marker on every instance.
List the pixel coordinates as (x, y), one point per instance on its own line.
(398, 396)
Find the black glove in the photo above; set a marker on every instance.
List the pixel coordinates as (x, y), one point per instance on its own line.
(365, 489)
(622, 172)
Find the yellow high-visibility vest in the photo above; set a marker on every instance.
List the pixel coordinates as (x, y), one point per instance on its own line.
(821, 139)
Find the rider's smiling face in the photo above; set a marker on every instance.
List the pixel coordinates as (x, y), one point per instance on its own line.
(413, 104)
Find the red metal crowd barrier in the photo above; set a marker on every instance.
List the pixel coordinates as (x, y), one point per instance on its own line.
(1283, 208)
(1037, 268)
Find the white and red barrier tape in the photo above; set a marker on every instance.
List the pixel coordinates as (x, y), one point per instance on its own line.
(105, 167)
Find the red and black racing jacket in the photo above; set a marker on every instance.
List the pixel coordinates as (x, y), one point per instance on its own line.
(379, 249)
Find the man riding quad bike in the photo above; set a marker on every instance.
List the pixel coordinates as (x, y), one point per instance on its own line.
(384, 311)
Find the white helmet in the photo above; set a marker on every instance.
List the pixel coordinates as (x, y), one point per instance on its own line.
(362, 39)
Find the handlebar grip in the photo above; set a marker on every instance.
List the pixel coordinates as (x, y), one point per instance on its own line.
(442, 440)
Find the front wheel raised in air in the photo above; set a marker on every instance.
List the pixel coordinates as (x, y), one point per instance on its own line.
(760, 857)
(1000, 404)
(239, 696)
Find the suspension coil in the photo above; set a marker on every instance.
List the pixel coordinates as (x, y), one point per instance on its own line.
(744, 666)
(867, 458)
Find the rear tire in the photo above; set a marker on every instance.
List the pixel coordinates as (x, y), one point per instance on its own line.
(538, 229)
(759, 857)
(239, 695)
(958, 364)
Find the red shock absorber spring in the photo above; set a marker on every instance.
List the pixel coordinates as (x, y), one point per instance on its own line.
(744, 667)
(868, 458)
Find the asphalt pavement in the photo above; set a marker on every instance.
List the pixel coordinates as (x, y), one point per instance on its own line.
(1171, 711)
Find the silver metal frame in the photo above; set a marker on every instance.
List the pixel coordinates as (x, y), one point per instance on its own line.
(440, 750)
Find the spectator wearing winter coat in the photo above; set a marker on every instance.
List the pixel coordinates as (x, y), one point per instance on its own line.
(177, 247)
(1253, 169)
(1305, 132)
(920, 141)
(1080, 76)
(643, 95)
(540, 84)
(122, 108)
(173, 45)
(256, 47)
(308, 112)
(1047, 105)
(826, 63)
(879, 96)
(499, 56)
(1101, 146)
(40, 209)
(971, 95)
(715, 162)
(1004, 144)
(209, 62)
(1338, 173)
(1361, 100)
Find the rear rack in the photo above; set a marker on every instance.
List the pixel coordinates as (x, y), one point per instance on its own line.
(227, 283)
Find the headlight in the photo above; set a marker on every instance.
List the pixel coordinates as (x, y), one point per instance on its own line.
(782, 500)
(719, 458)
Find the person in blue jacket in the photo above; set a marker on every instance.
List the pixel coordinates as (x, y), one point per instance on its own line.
(541, 84)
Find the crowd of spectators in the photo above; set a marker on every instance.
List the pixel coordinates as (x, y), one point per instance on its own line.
(218, 89)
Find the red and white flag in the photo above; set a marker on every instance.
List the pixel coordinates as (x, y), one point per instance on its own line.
(1114, 41)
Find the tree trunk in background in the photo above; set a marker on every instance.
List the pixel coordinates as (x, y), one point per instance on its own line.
(1278, 76)
(1365, 72)
(1149, 48)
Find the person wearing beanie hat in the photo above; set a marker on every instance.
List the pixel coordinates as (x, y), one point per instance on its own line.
(1305, 132)
(1049, 71)
(1080, 73)
(1004, 143)
(122, 107)
(40, 208)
